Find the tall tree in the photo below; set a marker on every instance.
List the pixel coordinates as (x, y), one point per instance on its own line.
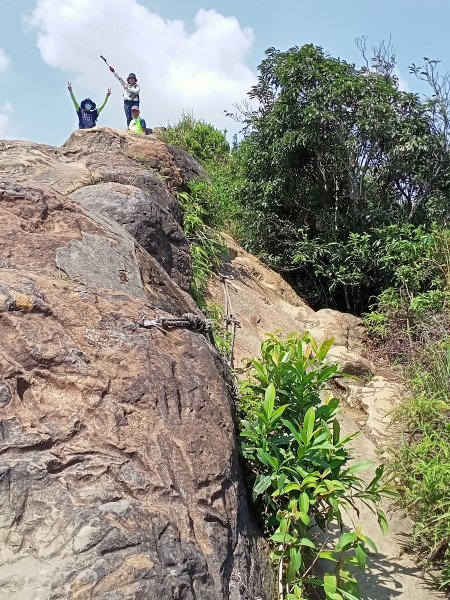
(332, 150)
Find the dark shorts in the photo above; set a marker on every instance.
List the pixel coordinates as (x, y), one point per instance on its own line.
(127, 105)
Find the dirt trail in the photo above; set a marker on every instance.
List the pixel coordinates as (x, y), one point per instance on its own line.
(263, 302)
(393, 571)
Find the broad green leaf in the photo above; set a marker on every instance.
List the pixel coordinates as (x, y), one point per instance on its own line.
(308, 424)
(361, 557)
(290, 488)
(267, 459)
(329, 584)
(378, 475)
(324, 349)
(295, 562)
(277, 413)
(295, 432)
(346, 540)
(304, 518)
(304, 503)
(283, 538)
(382, 521)
(262, 484)
(328, 555)
(369, 541)
(307, 542)
(360, 466)
(284, 525)
(269, 400)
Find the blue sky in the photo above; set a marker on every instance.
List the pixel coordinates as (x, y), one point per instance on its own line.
(199, 56)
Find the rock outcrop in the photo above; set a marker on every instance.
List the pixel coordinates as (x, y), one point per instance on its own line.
(119, 473)
(150, 224)
(264, 302)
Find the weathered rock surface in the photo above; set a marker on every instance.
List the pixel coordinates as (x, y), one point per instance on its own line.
(151, 225)
(377, 399)
(93, 145)
(264, 302)
(25, 161)
(119, 477)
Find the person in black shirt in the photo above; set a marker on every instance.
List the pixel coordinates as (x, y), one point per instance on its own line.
(87, 111)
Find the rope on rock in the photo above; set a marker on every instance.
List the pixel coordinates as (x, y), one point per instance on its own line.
(196, 323)
(199, 324)
(230, 321)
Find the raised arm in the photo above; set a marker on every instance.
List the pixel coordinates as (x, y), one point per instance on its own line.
(108, 94)
(75, 103)
(124, 85)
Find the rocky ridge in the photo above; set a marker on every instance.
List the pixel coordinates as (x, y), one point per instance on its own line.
(119, 473)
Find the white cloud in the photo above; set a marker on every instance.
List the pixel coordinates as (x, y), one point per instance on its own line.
(6, 126)
(202, 70)
(4, 60)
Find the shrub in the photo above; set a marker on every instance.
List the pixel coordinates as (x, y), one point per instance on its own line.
(200, 139)
(207, 204)
(299, 468)
(412, 326)
(417, 299)
(422, 460)
(205, 243)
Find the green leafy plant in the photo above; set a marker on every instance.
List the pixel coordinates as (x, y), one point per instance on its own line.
(222, 336)
(205, 243)
(422, 459)
(207, 203)
(200, 139)
(300, 470)
(333, 154)
(411, 324)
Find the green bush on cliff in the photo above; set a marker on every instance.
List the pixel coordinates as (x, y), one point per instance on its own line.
(207, 205)
(205, 243)
(198, 138)
(300, 471)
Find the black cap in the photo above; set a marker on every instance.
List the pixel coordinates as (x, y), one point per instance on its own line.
(83, 104)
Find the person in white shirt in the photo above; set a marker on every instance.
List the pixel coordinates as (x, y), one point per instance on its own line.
(130, 93)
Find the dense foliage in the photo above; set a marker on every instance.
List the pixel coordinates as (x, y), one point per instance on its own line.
(333, 154)
(422, 459)
(206, 203)
(200, 139)
(300, 471)
(412, 328)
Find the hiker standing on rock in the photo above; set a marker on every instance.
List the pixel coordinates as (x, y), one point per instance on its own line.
(87, 111)
(130, 93)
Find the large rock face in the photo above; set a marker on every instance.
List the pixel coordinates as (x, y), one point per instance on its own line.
(119, 474)
(264, 302)
(146, 220)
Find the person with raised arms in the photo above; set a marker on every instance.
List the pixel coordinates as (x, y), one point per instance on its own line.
(87, 111)
(130, 93)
